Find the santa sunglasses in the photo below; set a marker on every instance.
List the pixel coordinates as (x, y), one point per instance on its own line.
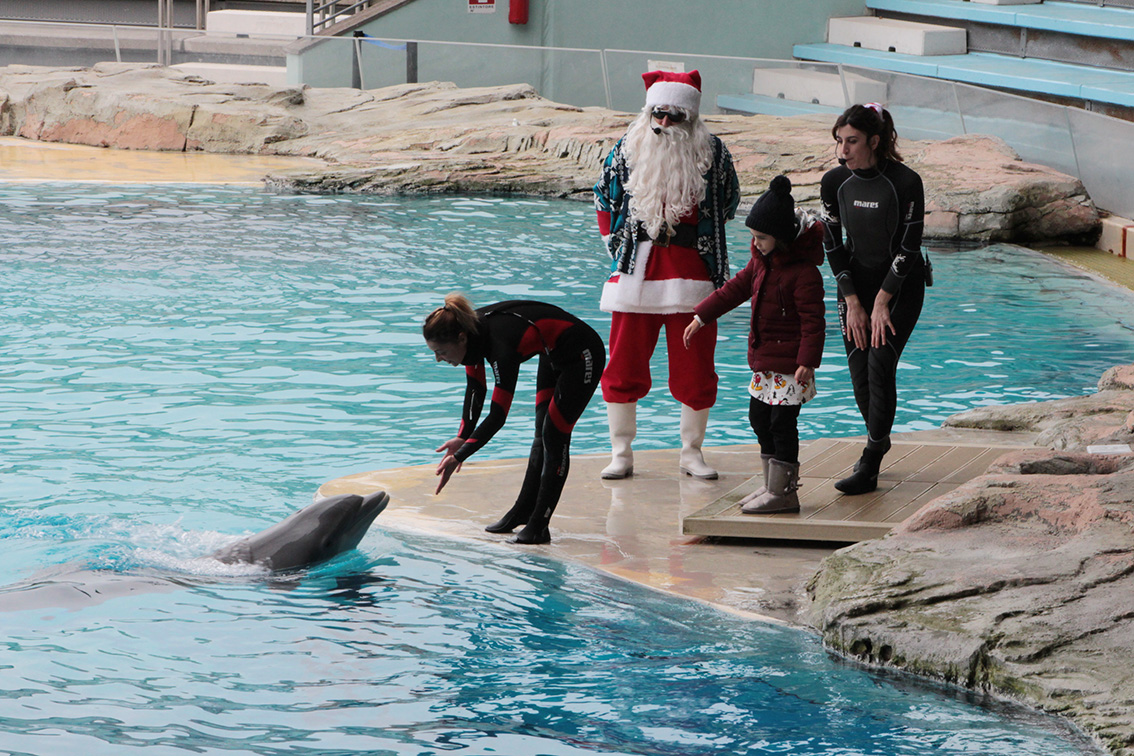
(676, 117)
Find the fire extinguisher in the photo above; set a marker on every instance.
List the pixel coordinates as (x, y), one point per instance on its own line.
(517, 11)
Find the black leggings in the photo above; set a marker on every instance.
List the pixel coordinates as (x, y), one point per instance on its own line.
(561, 397)
(874, 371)
(776, 429)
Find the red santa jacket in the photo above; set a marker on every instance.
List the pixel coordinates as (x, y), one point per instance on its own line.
(786, 289)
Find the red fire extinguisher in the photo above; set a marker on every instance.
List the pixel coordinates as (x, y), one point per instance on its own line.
(517, 11)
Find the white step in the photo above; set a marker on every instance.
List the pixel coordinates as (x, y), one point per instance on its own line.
(818, 87)
(232, 73)
(892, 35)
(258, 23)
(1008, 2)
(1117, 236)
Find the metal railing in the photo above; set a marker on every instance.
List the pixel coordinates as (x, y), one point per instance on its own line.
(322, 15)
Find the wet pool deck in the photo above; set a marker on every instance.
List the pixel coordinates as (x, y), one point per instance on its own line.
(639, 528)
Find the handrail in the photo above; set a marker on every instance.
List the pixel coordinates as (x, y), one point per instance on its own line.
(321, 15)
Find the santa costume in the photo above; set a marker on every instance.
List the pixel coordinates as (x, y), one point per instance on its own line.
(666, 191)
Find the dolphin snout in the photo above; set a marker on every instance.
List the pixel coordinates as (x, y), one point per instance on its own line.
(373, 504)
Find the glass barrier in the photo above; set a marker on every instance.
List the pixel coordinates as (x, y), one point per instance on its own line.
(1071, 140)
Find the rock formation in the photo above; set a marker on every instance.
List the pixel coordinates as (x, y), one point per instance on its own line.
(436, 138)
(1019, 582)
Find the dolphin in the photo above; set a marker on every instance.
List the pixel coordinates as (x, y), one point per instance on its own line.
(313, 534)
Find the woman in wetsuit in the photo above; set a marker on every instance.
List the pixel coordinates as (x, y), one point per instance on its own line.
(877, 203)
(571, 359)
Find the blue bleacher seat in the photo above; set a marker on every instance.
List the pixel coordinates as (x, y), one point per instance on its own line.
(1066, 18)
(990, 70)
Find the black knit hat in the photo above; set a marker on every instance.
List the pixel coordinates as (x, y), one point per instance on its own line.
(774, 212)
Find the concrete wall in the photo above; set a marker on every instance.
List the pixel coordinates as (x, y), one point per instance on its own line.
(746, 28)
(693, 29)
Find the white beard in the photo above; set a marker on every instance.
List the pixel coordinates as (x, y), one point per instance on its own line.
(667, 170)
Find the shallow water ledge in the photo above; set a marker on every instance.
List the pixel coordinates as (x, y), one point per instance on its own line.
(435, 138)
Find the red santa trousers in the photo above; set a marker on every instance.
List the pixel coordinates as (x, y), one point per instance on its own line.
(633, 337)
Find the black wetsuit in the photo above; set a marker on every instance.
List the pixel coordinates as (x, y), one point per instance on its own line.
(882, 211)
(571, 360)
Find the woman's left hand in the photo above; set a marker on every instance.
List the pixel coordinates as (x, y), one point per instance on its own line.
(804, 375)
(448, 464)
(880, 320)
(445, 468)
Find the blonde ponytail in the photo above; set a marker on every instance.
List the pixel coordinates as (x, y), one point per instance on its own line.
(446, 324)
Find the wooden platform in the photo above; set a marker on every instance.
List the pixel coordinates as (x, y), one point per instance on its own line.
(912, 474)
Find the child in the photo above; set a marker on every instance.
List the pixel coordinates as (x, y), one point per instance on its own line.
(785, 339)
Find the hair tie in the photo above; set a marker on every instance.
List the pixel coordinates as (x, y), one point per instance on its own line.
(877, 108)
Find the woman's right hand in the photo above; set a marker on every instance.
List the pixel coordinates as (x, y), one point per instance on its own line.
(857, 323)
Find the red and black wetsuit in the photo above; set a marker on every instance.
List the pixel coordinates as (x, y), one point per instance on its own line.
(571, 360)
(882, 210)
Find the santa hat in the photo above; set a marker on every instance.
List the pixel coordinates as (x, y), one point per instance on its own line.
(682, 90)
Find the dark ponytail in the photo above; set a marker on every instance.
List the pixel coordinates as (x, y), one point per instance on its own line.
(872, 120)
(446, 324)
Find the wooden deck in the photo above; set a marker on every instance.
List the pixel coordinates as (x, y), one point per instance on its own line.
(912, 474)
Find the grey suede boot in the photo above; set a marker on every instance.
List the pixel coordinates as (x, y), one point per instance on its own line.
(783, 482)
(757, 496)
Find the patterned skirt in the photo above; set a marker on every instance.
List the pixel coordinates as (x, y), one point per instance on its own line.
(777, 388)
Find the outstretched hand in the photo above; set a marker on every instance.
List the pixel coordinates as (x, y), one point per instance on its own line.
(445, 468)
(448, 464)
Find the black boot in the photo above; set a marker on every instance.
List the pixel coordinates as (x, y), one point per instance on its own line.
(532, 534)
(864, 478)
(517, 515)
(536, 531)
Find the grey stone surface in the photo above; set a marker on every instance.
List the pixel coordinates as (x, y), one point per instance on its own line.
(1020, 581)
(436, 138)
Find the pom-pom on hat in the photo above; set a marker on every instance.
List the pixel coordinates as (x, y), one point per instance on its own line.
(774, 212)
(681, 90)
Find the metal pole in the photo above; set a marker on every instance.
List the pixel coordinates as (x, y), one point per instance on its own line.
(356, 63)
(411, 62)
(310, 18)
(162, 23)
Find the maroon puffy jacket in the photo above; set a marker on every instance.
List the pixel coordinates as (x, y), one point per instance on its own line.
(786, 289)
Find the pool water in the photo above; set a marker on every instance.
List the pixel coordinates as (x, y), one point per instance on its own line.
(185, 364)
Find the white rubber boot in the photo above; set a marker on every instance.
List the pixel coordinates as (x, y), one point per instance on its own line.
(691, 461)
(623, 420)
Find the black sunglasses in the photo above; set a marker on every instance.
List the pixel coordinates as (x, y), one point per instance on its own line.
(676, 117)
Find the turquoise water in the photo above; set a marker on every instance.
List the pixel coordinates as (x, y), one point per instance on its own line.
(185, 364)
